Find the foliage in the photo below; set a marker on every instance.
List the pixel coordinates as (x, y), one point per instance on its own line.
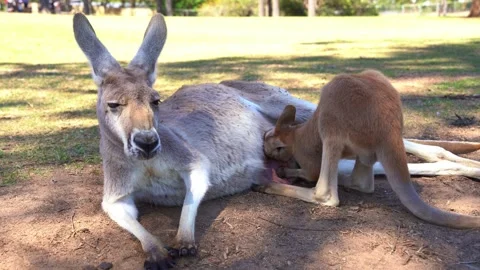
(177, 4)
(188, 4)
(228, 8)
(292, 8)
(347, 8)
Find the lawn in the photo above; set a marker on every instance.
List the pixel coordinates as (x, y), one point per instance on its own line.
(50, 173)
(47, 97)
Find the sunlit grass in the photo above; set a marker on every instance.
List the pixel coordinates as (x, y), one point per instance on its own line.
(47, 97)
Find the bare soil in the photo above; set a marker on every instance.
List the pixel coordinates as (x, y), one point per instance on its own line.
(57, 223)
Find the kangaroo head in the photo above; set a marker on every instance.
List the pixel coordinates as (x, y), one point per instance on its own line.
(127, 106)
(279, 140)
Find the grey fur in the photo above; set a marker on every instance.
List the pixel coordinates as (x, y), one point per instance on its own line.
(100, 59)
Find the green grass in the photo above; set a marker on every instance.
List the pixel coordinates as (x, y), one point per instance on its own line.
(47, 97)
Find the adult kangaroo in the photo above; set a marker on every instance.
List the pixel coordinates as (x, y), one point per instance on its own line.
(203, 142)
(358, 115)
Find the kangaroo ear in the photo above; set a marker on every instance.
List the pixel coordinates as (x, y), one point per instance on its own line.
(100, 59)
(287, 117)
(152, 45)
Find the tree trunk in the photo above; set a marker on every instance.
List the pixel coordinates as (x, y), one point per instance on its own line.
(160, 6)
(133, 3)
(442, 7)
(311, 8)
(261, 8)
(87, 7)
(69, 6)
(275, 8)
(475, 10)
(169, 7)
(269, 4)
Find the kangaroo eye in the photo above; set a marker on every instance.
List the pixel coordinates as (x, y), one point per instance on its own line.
(113, 105)
(156, 102)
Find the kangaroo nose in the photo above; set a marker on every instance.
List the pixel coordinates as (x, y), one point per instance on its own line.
(146, 141)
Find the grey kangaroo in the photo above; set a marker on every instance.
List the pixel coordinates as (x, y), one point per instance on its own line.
(203, 142)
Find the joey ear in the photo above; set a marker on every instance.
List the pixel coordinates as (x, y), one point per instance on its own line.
(100, 59)
(287, 117)
(152, 45)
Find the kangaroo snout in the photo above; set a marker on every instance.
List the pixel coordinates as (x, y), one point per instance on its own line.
(147, 141)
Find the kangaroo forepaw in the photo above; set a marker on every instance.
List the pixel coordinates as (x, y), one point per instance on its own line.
(173, 252)
(183, 251)
(188, 251)
(158, 258)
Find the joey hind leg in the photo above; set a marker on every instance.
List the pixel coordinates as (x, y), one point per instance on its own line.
(326, 190)
(124, 212)
(362, 175)
(301, 193)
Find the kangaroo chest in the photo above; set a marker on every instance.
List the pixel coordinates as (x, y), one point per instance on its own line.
(157, 183)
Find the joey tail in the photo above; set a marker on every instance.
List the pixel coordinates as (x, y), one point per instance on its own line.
(393, 159)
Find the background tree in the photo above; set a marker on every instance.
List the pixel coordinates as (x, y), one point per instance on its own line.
(228, 8)
(293, 8)
(261, 8)
(475, 9)
(87, 7)
(160, 7)
(169, 7)
(275, 8)
(311, 8)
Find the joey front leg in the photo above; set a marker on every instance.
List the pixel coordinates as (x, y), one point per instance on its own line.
(124, 212)
(196, 183)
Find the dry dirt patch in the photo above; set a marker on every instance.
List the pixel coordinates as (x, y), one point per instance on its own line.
(57, 223)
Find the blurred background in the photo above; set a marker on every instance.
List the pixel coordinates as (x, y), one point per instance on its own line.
(260, 8)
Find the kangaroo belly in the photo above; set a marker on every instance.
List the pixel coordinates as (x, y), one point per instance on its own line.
(162, 187)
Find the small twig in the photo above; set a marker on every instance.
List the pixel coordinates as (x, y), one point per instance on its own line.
(407, 259)
(79, 247)
(297, 228)
(74, 231)
(224, 220)
(397, 233)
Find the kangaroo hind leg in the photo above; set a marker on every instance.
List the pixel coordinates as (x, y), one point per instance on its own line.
(362, 175)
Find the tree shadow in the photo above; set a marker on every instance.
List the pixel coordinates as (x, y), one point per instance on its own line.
(260, 224)
(448, 60)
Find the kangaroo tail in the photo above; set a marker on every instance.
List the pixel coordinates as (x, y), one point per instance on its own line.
(393, 159)
(455, 147)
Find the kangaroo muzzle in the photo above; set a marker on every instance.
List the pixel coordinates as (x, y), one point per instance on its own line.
(147, 142)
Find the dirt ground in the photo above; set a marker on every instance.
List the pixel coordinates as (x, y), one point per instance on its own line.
(57, 223)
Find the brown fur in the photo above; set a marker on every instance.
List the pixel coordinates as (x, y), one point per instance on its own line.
(358, 115)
